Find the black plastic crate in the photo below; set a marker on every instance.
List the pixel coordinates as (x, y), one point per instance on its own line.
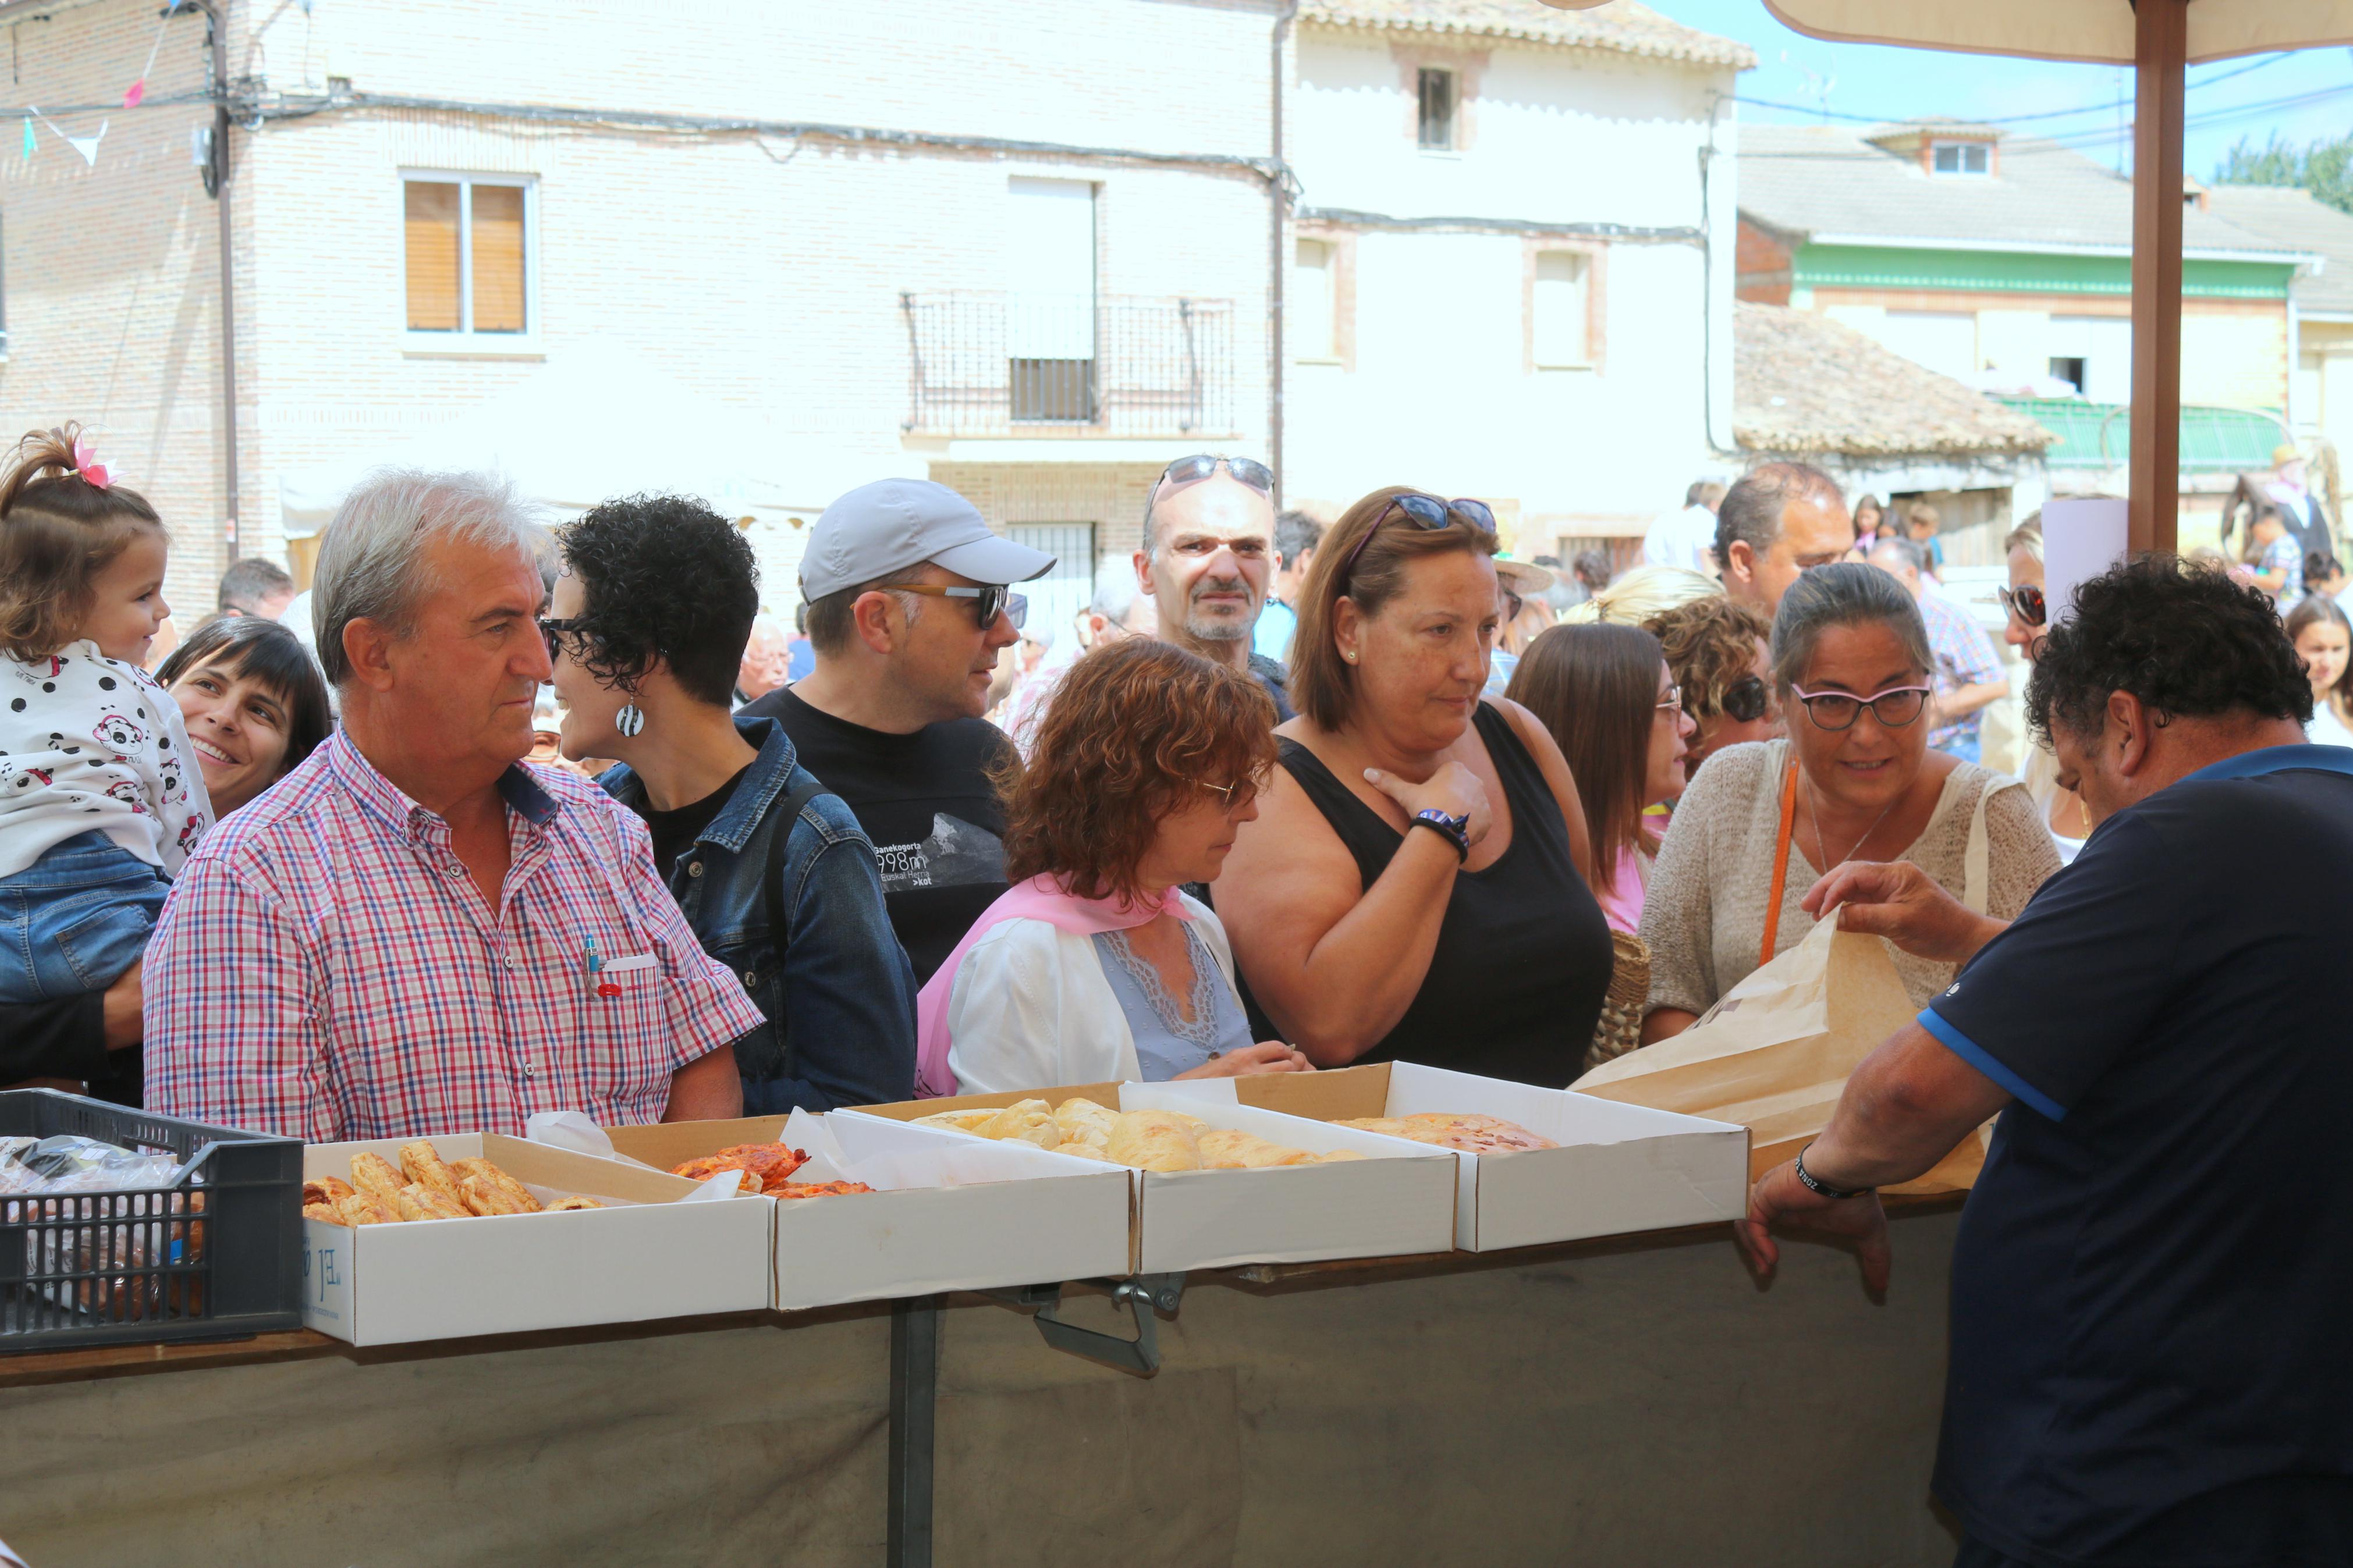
(217, 1255)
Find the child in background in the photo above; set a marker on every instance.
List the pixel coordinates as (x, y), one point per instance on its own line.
(99, 797)
(2277, 559)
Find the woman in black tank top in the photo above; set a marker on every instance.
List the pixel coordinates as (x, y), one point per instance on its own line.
(1342, 949)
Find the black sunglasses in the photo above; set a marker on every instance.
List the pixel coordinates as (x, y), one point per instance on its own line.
(2027, 604)
(555, 632)
(988, 601)
(1424, 511)
(1745, 700)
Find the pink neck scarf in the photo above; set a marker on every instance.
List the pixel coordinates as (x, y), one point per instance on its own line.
(1041, 897)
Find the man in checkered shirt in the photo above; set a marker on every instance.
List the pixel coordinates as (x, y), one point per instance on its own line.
(414, 932)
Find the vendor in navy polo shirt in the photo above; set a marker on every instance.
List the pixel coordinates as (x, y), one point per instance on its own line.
(2151, 1361)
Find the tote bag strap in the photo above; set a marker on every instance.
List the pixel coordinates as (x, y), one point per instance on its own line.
(1780, 865)
(1976, 866)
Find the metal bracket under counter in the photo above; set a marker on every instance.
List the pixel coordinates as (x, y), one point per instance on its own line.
(1143, 1294)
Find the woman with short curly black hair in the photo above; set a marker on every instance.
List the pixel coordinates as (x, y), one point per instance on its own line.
(1095, 966)
(648, 624)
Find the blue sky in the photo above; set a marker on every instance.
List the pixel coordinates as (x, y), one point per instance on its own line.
(1893, 84)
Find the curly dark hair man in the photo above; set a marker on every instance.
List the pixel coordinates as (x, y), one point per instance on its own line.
(663, 583)
(2186, 641)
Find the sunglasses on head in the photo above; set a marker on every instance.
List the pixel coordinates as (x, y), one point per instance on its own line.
(2027, 604)
(1192, 470)
(1424, 511)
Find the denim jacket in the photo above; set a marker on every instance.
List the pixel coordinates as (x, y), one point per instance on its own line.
(841, 1003)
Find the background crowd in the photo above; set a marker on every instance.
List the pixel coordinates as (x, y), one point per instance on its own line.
(565, 815)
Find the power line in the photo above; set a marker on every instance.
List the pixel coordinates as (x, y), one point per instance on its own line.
(2003, 119)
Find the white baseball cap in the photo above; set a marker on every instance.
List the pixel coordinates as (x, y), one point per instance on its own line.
(888, 526)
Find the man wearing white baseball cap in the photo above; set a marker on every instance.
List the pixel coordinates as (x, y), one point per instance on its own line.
(909, 602)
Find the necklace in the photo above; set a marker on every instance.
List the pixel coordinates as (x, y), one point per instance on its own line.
(1821, 842)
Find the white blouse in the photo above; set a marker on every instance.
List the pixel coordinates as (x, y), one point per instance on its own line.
(1030, 1008)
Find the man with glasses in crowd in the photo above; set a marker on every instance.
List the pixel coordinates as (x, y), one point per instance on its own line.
(1780, 521)
(909, 605)
(1207, 559)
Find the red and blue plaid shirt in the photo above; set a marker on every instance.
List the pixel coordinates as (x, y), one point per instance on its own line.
(327, 969)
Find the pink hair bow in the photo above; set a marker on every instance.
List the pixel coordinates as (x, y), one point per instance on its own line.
(86, 463)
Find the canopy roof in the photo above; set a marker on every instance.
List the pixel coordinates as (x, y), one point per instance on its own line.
(2069, 29)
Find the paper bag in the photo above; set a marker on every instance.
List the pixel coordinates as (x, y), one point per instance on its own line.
(1774, 1052)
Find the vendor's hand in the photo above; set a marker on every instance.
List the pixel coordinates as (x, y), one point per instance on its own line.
(1779, 1198)
(124, 1000)
(1267, 1055)
(1452, 789)
(1898, 901)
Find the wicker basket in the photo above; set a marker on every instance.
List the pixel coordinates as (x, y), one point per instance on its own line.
(1620, 1029)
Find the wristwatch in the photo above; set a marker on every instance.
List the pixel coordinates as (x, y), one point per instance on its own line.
(1456, 829)
(1816, 1185)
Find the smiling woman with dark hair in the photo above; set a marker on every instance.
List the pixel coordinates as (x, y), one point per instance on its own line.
(648, 624)
(1854, 780)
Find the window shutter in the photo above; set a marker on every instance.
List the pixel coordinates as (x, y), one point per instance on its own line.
(498, 259)
(432, 224)
(1558, 331)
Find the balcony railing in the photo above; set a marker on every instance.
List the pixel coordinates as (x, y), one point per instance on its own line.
(998, 364)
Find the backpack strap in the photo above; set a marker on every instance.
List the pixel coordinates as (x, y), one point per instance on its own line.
(785, 813)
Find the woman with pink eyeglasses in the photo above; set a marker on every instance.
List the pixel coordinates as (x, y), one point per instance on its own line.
(1854, 780)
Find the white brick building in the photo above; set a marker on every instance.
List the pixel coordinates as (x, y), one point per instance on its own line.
(1514, 260)
(1024, 249)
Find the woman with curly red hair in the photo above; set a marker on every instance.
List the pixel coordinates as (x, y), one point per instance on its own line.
(1095, 966)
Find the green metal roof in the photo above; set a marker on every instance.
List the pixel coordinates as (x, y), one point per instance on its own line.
(1817, 266)
(2098, 434)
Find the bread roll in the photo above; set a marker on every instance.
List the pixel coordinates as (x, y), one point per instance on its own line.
(517, 1193)
(1084, 1152)
(1154, 1141)
(958, 1121)
(575, 1202)
(327, 1190)
(418, 1201)
(1028, 1120)
(366, 1208)
(374, 1174)
(1085, 1121)
(421, 1163)
(1336, 1155)
(1226, 1148)
(327, 1211)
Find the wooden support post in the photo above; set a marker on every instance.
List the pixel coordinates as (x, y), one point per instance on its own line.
(2162, 47)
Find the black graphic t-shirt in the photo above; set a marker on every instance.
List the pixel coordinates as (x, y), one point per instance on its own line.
(926, 801)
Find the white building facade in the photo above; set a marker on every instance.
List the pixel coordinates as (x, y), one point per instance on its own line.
(1512, 262)
(761, 251)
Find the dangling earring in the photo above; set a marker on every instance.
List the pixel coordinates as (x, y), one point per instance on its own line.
(630, 721)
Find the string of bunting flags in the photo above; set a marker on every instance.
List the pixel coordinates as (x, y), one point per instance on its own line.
(132, 97)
